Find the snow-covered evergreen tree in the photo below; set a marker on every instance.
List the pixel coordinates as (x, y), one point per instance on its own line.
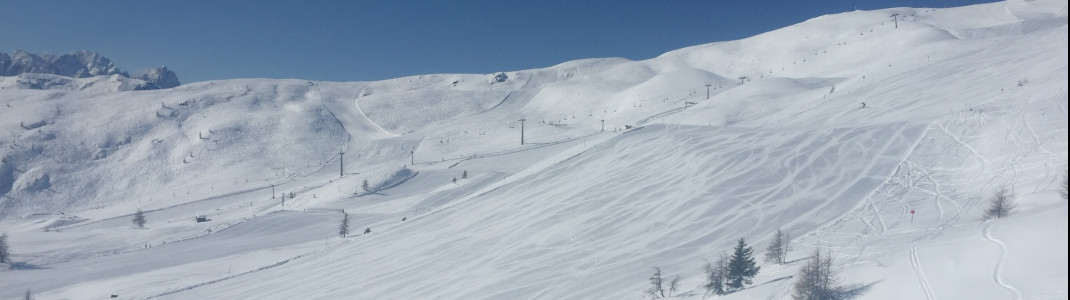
(741, 267)
(4, 249)
(343, 228)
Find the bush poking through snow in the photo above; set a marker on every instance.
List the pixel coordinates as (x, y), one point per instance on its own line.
(1001, 205)
(139, 218)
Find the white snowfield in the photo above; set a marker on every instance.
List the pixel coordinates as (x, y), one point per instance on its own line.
(958, 103)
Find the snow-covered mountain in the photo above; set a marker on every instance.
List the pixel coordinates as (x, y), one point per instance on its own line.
(879, 141)
(78, 64)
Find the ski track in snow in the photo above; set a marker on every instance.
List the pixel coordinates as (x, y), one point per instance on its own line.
(920, 274)
(997, 276)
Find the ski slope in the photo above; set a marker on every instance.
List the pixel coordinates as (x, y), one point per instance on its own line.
(625, 166)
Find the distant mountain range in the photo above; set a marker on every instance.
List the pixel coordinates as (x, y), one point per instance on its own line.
(80, 64)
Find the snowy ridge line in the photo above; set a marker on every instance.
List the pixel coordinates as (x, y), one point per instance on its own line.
(996, 277)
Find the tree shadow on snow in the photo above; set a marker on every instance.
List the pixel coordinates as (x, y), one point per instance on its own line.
(853, 291)
(24, 266)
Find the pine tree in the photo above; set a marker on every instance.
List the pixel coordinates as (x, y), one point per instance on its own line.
(28, 296)
(464, 175)
(139, 218)
(816, 280)
(1002, 204)
(364, 186)
(5, 250)
(343, 229)
(741, 267)
(715, 276)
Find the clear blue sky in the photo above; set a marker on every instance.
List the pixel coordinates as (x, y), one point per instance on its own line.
(372, 40)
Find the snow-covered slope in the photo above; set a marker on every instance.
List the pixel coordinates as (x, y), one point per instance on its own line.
(957, 103)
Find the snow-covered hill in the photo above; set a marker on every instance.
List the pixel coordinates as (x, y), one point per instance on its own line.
(881, 141)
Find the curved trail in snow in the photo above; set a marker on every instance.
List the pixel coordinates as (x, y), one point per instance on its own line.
(920, 274)
(996, 277)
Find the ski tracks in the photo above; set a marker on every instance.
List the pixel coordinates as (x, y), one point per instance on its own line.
(920, 273)
(987, 233)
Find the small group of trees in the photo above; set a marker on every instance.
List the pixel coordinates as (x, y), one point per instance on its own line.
(732, 272)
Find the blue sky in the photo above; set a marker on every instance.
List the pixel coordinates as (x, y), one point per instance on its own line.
(373, 40)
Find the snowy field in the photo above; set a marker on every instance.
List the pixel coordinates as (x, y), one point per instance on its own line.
(625, 166)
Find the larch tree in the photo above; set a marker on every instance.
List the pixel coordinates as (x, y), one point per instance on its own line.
(816, 280)
(1001, 204)
(715, 276)
(777, 252)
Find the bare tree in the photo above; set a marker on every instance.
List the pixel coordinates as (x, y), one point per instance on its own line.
(5, 250)
(673, 285)
(777, 252)
(656, 291)
(716, 274)
(139, 218)
(343, 229)
(816, 280)
(1001, 205)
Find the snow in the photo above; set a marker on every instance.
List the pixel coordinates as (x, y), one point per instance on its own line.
(959, 103)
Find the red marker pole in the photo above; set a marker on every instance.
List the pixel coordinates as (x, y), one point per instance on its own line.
(911, 216)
